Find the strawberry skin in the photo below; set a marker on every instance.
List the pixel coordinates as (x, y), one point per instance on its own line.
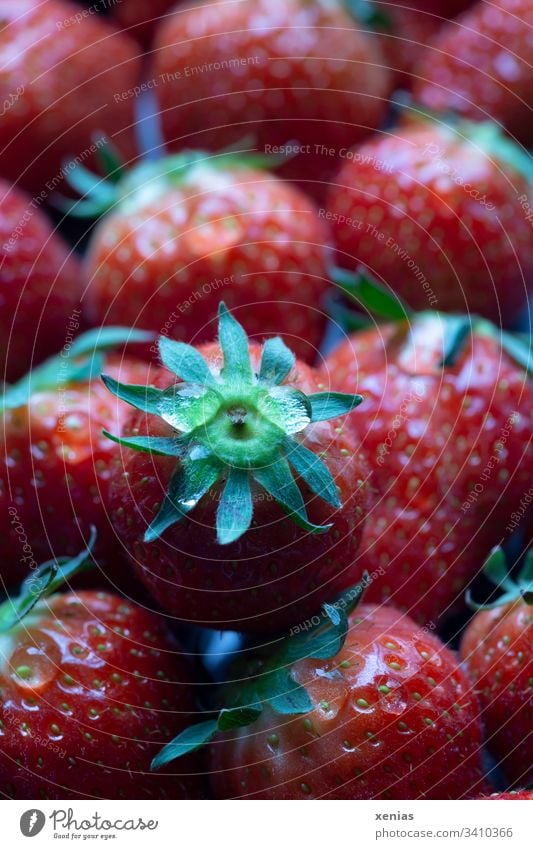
(480, 66)
(220, 232)
(451, 454)
(39, 284)
(89, 686)
(497, 651)
(305, 71)
(54, 473)
(274, 575)
(389, 710)
(60, 75)
(139, 19)
(438, 219)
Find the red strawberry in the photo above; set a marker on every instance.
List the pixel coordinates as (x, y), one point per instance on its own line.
(89, 686)
(374, 717)
(438, 214)
(446, 8)
(190, 231)
(480, 66)
(59, 75)
(497, 651)
(55, 462)
(139, 18)
(278, 71)
(404, 33)
(39, 284)
(447, 424)
(206, 526)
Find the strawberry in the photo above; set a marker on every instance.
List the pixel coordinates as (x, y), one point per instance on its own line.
(480, 66)
(438, 214)
(497, 652)
(447, 425)
(278, 71)
(54, 460)
(203, 485)
(89, 686)
(187, 231)
(369, 708)
(39, 284)
(403, 34)
(60, 69)
(140, 20)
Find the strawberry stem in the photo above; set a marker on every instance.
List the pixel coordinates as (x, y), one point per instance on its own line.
(274, 686)
(43, 582)
(234, 429)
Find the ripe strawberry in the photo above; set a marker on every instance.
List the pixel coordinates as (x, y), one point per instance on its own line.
(497, 651)
(59, 74)
(54, 460)
(446, 8)
(278, 71)
(404, 33)
(39, 284)
(206, 525)
(438, 214)
(447, 425)
(139, 19)
(89, 686)
(480, 66)
(191, 230)
(367, 709)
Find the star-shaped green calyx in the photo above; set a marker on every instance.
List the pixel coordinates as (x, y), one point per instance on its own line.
(236, 428)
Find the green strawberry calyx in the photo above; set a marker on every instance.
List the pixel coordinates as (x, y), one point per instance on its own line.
(273, 684)
(43, 582)
(374, 300)
(496, 569)
(149, 179)
(84, 362)
(235, 427)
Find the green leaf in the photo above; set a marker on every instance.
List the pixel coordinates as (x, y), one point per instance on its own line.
(349, 320)
(109, 158)
(88, 184)
(107, 338)
(277, 479)
(43, 582)
(496, 570)
(288, 697)
(83, 363)
(520, 351)
(526, 573)
(193, 478)
(277, 361)
(185, 361)
(145, 398)
(189, 740)
(230, 718)
(235, 508)
(287, 408)
(164, 445)
(234, 344)
(186, 406)
(456, 330)
(370, 294)
(313, 471)
(330, 405)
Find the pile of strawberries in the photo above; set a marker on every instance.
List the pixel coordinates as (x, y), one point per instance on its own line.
(266, 368)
